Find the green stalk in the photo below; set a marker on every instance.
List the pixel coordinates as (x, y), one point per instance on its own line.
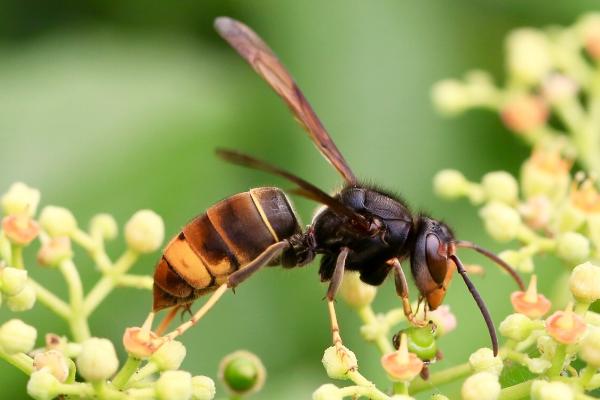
(557, 361)
(128, 369)
(516, 392)
(368, 317)
(20, 361)
(77, 318)
(439, 378)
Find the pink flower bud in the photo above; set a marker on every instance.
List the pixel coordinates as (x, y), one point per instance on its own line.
(20, 229)
(524, 114)
(530, 303)
(565, 326)
(140, 342)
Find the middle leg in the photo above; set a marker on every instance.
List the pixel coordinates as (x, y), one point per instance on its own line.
(402, 290)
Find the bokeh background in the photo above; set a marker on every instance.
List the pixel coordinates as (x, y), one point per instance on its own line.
(117, 106)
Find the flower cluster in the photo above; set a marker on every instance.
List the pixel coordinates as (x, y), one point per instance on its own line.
(150, 371)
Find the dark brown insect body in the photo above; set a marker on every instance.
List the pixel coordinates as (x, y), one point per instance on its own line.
(361, 228)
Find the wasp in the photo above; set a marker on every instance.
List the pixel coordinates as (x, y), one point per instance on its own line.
(360, 228)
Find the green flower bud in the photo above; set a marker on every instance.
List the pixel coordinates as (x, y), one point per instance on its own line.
(500, 186)
(481, 386)
(501, 221)
(589, 351)
(174, 385)
(57, 221)
(543, 390)
(17, 337)
(450, 184)
(42, 385)
(516, 327)
(169, 356)
(327, 391)
(242, 372)
(104, 226)
(585, 282)
(145, 231)
(203, 388)
(338, 364)
(450, 96)
(573, 247)
(12, 280)
(528, 55)
(97, 360)
(355, 292)
(20, 199)
(22, 301)
(483, 360)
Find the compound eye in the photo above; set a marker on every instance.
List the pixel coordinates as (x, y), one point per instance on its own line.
(437, 260)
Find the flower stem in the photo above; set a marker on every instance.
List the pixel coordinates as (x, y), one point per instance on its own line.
(20, 360)
(128, 369)
(516, 392)
(77, 318)
(440, 377)
(368, 392)
(557, 361)
(368, 317)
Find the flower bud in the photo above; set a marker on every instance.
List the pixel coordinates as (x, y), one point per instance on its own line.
(203, 388)
(500, 186)
(585, 282)
(450, 96)
(97, 360)
(355, 292)
(402, 366)
(55, 362)
(327, 391)
(543, 390)
(546, 346)
(481, 386)
(141, 342)
(242, 372)
(338, 363)
(104, 226)
(558, 87)
(145, 231)
(57, 221)
(12, 280)
(20, 229)
(589, 30)
(516, 327)
(174, 385)
(17, 337)
(20, 200)
(565, 327)
(169, 356)
(545, 173)
(501, 221)
(524, 114)
(450, 184)
(530, 303)
(22, 301)
(538, 365)
(55, 251)
(42, 385)
(528, 55)
(573, 247)
(589, 349)
(483, 360)
(537, 211)
(522, 262)
(444, 320)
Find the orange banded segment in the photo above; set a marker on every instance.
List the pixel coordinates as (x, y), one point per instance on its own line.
(186, 262)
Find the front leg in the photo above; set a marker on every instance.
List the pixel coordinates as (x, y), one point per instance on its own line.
(402, 291)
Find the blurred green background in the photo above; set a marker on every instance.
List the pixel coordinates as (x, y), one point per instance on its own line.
(117, 106)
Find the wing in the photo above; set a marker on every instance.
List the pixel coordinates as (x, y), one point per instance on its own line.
(260, 57)
(305, 189)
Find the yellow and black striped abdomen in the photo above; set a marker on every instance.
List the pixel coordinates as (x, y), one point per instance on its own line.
(214, 245)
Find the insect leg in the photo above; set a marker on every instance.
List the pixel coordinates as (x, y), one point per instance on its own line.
(260, 261)
(402, 291)
(164, 324)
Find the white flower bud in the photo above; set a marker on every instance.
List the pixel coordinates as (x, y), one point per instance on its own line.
(42, 385)
(528, 55)
(20, 199)
(97, 360)
(105, 226)
(450, 184)
(558, 87)
(55, 362)
(145, 231)
(22, 301)
(543, 390)
(169, 356)
(57, 221)
(538, 365)
(500, 186)
(17, 337)
(174, 385)
(589, 351)
(355, 292)
(573, 247)
(203, 388)
(450, 96)
(585, 282)
(338, 364)
(516, 327)
(481, 386)
(327, 391)
(501, 221)
(483, 360)
(12, 280)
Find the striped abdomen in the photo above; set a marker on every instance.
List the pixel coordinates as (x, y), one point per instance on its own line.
(214, 245)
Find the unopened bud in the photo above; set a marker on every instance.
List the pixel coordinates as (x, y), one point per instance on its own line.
(104, 226)
(450, 96)
(12, 280)
(57, 221)
(145, 231)
(20, 199)
(481, 386)
(585, 282)
(169, 356)
(174, 385)
(450, 184)
(355, 292)
(242, 372)
(22, 301)
(528, 55)
(544, 390)
(43, 385)
(97, 360)
(501, 221)
(500, 186)
(589, 350)
(573, 247)
(516, 327)
(203, 388)
(17, 337)
(558, 87)
(484, 360)
(327, 391)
